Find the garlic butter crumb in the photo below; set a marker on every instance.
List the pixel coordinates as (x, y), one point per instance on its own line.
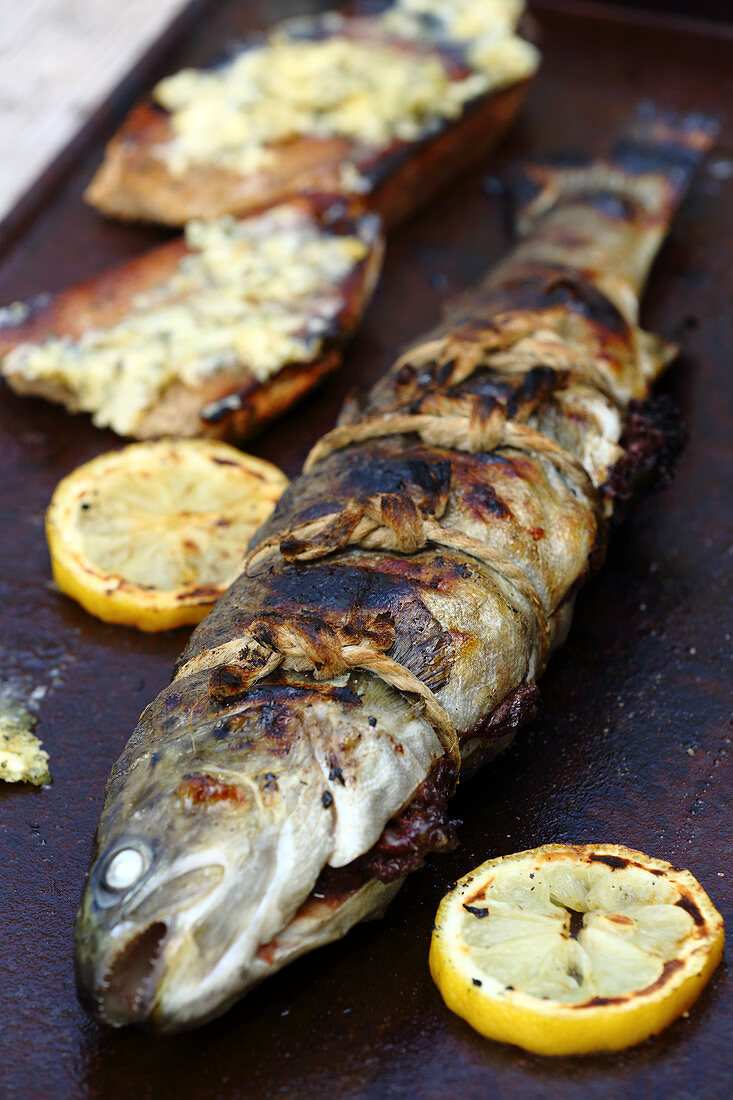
(22, 760)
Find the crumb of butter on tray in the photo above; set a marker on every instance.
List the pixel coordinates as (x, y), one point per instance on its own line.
(22, 760)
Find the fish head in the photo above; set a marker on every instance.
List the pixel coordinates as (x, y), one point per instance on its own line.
(214, 833)
(143, 915)
(195, 865)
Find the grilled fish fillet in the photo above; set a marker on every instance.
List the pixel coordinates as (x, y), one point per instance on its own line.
(394, 615)
(212, 334)
(391, 104)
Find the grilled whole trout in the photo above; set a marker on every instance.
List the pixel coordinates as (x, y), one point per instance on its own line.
(394, 615)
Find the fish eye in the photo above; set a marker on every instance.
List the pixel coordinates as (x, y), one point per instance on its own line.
(124, 869)
(121, 870)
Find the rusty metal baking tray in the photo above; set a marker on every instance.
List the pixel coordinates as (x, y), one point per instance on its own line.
(633, 742)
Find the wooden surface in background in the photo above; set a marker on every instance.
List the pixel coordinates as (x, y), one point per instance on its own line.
(59, 59)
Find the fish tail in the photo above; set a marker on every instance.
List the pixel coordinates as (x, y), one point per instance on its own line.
(653, 142)
(606, 219)
(665, 143)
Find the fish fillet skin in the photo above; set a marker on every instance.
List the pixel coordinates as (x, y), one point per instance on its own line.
(393, 616)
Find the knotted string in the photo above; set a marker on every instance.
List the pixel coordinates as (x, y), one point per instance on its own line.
(305, 643)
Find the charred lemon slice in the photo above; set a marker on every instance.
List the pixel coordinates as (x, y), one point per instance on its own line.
(151, 535)
(568, 950)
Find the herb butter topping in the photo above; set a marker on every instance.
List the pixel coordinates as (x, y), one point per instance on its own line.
(484, 28)
(257, 293)
(370, 90)
(454, 20)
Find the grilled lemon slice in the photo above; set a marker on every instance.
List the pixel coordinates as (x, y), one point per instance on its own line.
(151, 535)
(568, 950)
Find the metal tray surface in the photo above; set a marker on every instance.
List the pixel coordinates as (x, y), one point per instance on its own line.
(633, 741)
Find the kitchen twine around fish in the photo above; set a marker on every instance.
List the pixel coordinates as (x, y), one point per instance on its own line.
(393, 521)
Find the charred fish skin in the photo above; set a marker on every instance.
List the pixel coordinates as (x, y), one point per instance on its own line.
(393, 616)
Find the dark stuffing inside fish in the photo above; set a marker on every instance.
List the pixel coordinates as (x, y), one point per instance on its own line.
(395, 613)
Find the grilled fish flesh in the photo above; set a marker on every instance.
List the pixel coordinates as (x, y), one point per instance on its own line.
(394, 615)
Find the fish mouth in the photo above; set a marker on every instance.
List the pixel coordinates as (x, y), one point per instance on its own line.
(125, 991)
(126, 946)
